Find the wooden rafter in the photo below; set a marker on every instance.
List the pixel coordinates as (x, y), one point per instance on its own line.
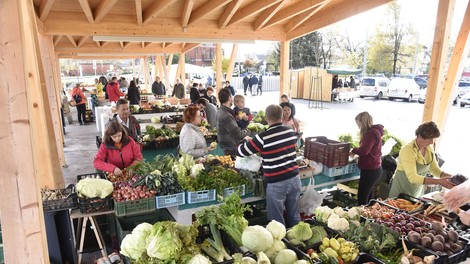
(155, 9)
(163, 44)
(122, 44)
(188, 7)
(292, 11)
(103, 8)
(138, 10)
(87, 10)
(82, 40)
(267, 15)
(190, 46)
(206, 9)
(301, 18)
(340, 10)
(252, 9)
(126, 44)
(57, 39)
(229, 12)
(45, 8)
(183, 45)
(74, 43)
(98, 44)
(104, 43)
(169, 44)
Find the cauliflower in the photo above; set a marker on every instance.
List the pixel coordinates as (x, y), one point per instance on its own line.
(146, 138)
(196, 169)
(339, 211)
(354, 213)
(322, 213)
(338, 223)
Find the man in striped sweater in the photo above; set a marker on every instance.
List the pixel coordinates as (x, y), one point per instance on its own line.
(277, 148)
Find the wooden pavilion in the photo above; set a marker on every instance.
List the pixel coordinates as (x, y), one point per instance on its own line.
(34, 34)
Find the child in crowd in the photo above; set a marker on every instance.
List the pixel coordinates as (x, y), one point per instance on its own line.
(210, 95)
(285, 99)
(242, 114)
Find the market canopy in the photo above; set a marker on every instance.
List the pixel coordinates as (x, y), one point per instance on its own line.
(343, 71)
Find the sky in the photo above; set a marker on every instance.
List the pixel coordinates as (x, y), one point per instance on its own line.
(420, 13)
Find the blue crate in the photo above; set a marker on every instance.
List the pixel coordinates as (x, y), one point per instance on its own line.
(333, 172)
(351, 168)
(170, 200)
(240, 189)
(201, 196)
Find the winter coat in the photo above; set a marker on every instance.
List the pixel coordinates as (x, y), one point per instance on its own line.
(113, 91)
(192, 141)
(229, 134)
(253, 80)
(109, 156)
(178, 90)
(370, 150)
(77, 90)
(194, 95)
(133, 130)
(133, 95)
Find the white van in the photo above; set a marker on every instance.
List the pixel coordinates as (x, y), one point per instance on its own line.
(374, 87)
(402, 88)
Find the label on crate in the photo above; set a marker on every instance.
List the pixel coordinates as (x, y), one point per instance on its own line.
(171, 200)
(203, 195)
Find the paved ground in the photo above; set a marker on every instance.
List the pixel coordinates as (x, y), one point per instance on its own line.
(328, 119)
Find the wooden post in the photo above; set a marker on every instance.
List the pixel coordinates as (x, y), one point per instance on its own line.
(146, 72)
(438, 59)
(456, 64)
(181, 63)
(231, 64)
(218, 67)
(133, 68)
(25, 156)
(165, 75)
(168, 68)
(284, 68)
(50, 71)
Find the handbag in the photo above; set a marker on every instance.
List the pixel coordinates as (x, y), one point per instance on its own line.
(77, 98)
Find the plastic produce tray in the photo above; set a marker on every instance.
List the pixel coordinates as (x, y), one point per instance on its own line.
(201, 196)
(170, 200)
(93, 205)
(69, 202)
(134, 207)
(339, 198)
(328, 152)
(444, 258)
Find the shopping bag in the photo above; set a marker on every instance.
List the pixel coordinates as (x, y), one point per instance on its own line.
(250, 163)
(311, 199)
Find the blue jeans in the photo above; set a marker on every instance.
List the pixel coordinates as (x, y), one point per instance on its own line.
(284, 193)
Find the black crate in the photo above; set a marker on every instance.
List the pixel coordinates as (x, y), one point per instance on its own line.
(69, 202)
(367, 258)
(338, 198)
(95, 175)
(93, 205)
(444, 258)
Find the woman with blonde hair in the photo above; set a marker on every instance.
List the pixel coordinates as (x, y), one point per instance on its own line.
(370, 156)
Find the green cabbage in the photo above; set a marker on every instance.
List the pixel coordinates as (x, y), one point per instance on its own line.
(286, 256)
(300, 231)
(163, 243)
(199, 259)
(257, 238)
(133, 245)
(276, 229)
(93, 188)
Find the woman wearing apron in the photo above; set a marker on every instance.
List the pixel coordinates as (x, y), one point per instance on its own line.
(415, 160)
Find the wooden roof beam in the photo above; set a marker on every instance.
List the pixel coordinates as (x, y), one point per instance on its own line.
(229, 12)
(104, 43)
(103, 8)
(251, 9)
(122, 44)
(169, 44)
(292, 11)
(190, 46)
(340, 9)
(98, 44)
(267, 15)
(57, 39)
(302, 17)
(74, 43)
(138, 10)
(87, 10)
(187, 9)
(45, 8)
(206, 8)
(155, 9)
(82, 40)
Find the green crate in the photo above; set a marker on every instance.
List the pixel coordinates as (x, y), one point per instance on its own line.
(134, 207)
(2, 257)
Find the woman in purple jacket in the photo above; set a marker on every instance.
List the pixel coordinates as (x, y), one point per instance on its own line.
(370, 156)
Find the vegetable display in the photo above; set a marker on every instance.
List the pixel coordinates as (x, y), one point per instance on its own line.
(405, 205)
(256, 127)
(123, 191)
(340, 249)
(377, 211)
(404, 223)
(94, 188)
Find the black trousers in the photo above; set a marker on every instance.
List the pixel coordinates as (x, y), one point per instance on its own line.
(81, 110)
(245, 87)
(367, 181)
(259, 90)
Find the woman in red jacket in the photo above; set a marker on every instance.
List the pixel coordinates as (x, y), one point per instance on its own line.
(370, 156)
(81, 105)
(118, 151)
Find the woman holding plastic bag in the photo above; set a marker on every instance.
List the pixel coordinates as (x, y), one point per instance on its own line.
(370, 156)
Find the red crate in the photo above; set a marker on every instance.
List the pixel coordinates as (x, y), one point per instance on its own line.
(328, 152)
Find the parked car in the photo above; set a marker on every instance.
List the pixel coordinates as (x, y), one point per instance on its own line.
(464, 88)
(402, 88)
(374, 87)
(423, 83)
(422, 97)
(465, 100)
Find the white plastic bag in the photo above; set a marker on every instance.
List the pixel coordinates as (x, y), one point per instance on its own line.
(311, 199)
(387, 147)
(317, 167)
(250, 163)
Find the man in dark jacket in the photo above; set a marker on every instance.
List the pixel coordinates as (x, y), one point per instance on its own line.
(158, 88)
(246, 82)
(194, 93)
(178, 90)
(129, 122)
(228, 86)
(253, 84)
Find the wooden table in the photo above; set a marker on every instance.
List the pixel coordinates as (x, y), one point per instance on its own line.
(81, 228)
